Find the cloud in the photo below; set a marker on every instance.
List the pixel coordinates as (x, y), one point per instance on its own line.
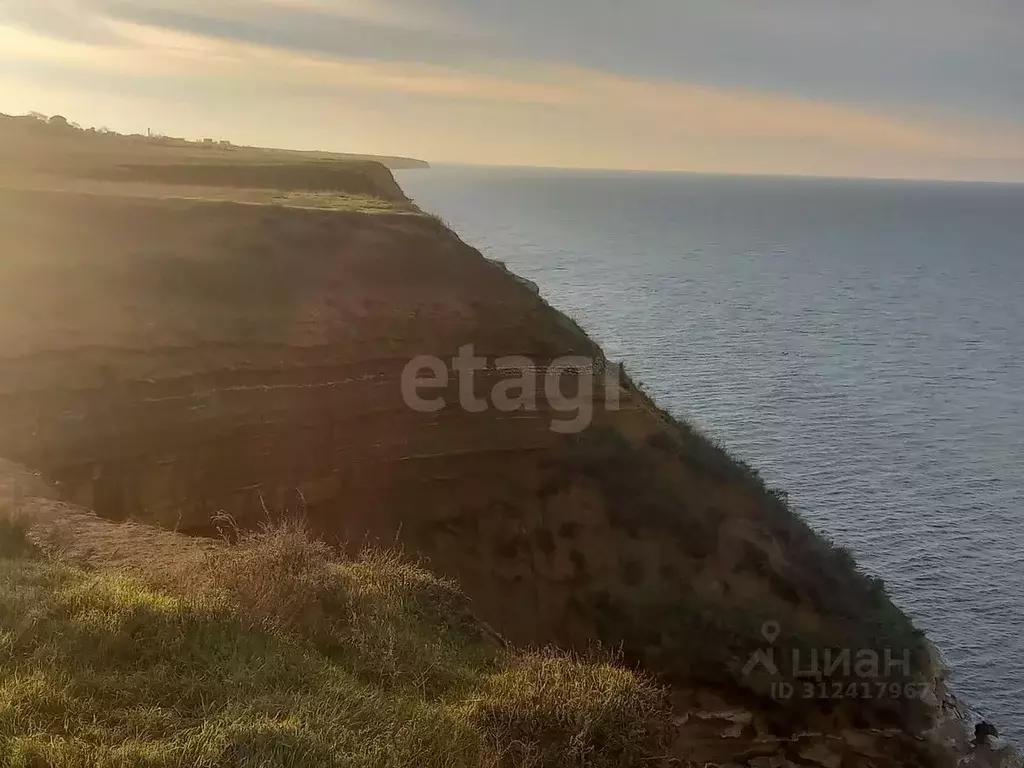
(378, 12)
(222, 64)
(944, 55)
(49, 16)
(158, 51)
(377, 28)
(941, 56)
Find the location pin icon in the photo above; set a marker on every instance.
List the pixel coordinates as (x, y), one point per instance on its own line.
(771, 631)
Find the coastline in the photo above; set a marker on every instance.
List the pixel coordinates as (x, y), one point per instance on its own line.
(955, 724)
(245, 398)
(810, 313)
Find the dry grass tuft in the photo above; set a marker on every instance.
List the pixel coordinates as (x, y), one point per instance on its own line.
(279, 652)
(551, 709)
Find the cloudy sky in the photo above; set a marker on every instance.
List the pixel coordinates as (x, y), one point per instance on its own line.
(891, 88)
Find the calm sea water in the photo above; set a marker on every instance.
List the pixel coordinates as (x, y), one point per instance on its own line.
(862, 343)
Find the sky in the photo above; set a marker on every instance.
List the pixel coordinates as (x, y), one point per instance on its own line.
(876, 88)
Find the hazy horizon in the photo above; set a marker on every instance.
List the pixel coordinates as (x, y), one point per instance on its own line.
(685, 172)
(922, 89)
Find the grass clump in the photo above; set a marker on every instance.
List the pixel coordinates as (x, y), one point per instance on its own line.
(288, 655)
(551, 709)
(392, 622)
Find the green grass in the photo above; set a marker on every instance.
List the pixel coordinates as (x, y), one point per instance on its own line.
(288, 656)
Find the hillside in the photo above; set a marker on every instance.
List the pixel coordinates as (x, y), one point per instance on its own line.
(212, 347)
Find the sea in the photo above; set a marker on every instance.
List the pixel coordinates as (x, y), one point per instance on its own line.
(860, 342)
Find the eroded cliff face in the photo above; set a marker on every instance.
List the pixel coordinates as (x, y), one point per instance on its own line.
(186, 362)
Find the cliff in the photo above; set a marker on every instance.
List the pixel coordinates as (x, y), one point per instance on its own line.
(206, 346)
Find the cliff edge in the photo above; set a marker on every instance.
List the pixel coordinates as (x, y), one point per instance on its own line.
(206, 348)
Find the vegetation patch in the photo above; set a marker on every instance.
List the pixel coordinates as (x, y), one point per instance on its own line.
(825, 571)
(711, 640)
(287, 655)
(588, 713)
(636, 491)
